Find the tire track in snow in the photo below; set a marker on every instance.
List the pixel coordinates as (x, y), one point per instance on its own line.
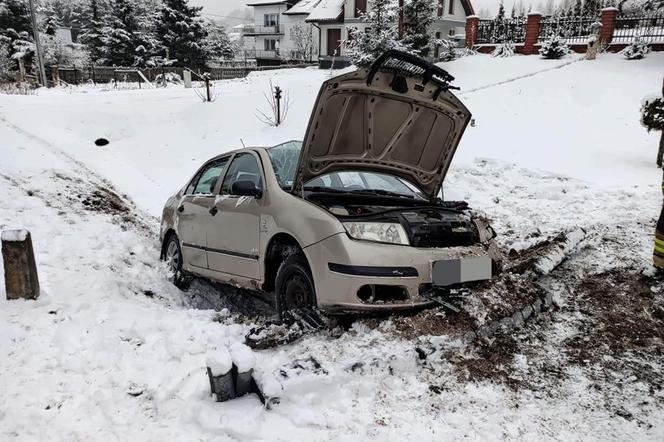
(520, 77)
(54, 149)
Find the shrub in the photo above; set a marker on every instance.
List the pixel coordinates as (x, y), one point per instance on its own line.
(636, 50)
(554, 48)
(506, 49)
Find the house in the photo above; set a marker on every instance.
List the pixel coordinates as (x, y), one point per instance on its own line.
(281, 33)
(334, 18)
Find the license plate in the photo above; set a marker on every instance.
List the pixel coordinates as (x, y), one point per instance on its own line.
(455, 271)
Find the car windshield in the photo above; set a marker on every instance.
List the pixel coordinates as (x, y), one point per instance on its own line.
(285, 157)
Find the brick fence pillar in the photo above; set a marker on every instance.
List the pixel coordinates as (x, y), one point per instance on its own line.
(472, 23)
(608, 21)
(532, 32)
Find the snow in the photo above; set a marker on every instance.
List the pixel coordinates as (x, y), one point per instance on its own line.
(326, 10)
(242, 356)
(14, 235)
(112, 350)
(219, 361)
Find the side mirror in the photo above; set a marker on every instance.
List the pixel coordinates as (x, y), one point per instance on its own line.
(246, 188)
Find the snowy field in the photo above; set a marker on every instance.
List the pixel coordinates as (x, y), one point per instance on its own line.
(112, 351)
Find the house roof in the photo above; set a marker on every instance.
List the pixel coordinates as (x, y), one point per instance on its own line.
(327, 10)
(267, 2)
(303, 7)
(467, 7)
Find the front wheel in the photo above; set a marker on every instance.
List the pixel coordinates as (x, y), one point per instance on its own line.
(173, 258)
(294, 285)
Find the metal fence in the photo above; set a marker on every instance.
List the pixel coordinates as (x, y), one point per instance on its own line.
(649, 27)
(499, 31)
(572, 29)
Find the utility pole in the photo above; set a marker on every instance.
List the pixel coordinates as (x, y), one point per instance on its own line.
(400, 19)
(35, 33)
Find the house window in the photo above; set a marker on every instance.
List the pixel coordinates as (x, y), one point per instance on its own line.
(437, 35)
(440, 7)
(270, 44)
(360, 7)
(271, 19)
(452, 32)
(450, 8)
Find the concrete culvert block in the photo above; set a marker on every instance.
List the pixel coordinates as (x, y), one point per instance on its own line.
(243, 368)
(220, 373)
(101, 142)
(21, 281)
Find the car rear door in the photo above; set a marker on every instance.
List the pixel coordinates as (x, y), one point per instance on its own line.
(233, 233)
(194, 212)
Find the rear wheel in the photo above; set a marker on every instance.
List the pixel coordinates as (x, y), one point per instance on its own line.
(294, 285)
(173, 258)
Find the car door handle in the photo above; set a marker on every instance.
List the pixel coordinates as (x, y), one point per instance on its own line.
(213, 210)
(181, 209)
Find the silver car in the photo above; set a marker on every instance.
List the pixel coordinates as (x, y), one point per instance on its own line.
(348, 219)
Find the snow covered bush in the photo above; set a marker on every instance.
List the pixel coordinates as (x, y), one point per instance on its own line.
(447, 49)
(652, 113)
(168, 78)
(505, 49)
(554, 48)
(636, 50)
(367, 45)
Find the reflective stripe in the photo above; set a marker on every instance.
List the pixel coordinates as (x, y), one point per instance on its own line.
(659, 242)
(659, 249)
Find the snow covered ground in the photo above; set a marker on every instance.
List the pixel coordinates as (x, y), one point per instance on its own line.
(112, 351)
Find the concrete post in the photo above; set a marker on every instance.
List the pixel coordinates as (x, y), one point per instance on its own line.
(472, 23)
(532, 32)
(21, 279)
(608, 21)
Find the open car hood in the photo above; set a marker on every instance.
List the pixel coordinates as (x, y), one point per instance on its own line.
(398, 118)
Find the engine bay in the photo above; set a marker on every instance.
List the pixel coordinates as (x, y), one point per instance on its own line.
(441, 224)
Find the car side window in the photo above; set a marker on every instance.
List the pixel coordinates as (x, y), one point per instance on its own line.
(244, 167)
(206, 180)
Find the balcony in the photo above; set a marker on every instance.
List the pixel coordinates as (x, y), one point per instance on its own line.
(263, 30)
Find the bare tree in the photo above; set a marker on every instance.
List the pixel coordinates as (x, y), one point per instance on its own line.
(302, 37)
(279, 105)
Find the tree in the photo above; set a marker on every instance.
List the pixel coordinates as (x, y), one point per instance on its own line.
(119, 34)
(366, 45)
(15, 27)
(578, 8)
(418, 16)
(590, 8)
(50, 22)
(302, 37)
(180, 30)
(217, 44)
(501, 11)
(92, 31)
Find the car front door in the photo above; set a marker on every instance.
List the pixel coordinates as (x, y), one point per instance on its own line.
(194, 213)
(233, 235)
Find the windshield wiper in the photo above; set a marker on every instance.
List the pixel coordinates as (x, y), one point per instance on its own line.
(323, 189)
(382, 192)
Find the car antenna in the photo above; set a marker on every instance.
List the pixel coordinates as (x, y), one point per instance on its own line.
(242, 143)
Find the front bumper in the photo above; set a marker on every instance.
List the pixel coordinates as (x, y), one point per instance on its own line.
(356, 264)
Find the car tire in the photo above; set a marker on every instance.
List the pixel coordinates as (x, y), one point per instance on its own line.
(294, 285)
(173, 258)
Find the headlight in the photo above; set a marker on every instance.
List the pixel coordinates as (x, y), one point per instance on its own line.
(393, 233)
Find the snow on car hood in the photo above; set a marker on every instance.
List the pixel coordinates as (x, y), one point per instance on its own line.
(410, 130)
